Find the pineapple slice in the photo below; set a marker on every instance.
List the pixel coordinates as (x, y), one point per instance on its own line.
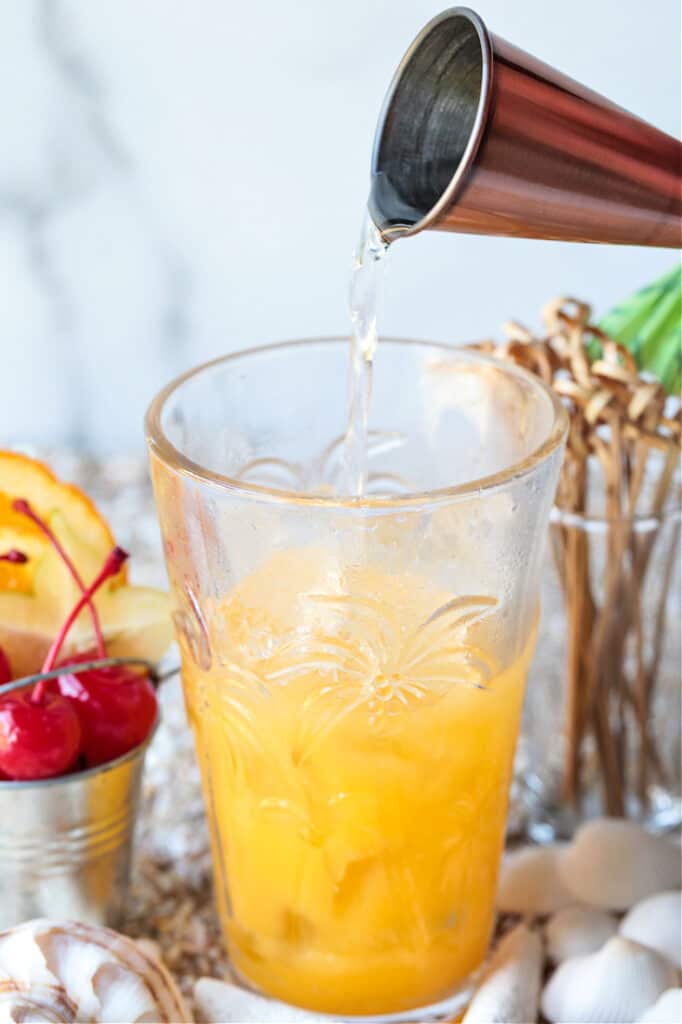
(36, 596)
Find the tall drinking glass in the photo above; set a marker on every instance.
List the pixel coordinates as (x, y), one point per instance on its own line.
(354, 667)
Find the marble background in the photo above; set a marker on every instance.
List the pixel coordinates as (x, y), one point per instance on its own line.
(179, 179)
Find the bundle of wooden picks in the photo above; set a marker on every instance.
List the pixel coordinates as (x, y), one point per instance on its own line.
(618, 502)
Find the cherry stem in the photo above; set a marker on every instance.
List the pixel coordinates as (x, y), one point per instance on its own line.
(110, 568)
(14, 556)
(22, 506)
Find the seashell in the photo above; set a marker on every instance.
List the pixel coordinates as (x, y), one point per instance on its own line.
(575, 931)
(54, 971)
(530, 882)
(219, 1002)
(614, 864)
(613, 986)
(45, 1004)
(666, 1010)
(510, 990)
(657, 923)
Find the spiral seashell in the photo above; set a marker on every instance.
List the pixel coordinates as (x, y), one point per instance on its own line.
(44, 1004)
(65, 971)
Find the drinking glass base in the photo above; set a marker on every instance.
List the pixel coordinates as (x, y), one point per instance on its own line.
(446, 1009)
(287, 1013)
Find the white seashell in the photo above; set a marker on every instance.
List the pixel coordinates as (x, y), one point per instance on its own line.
(46, 1004)
(219, 1002)
(613, 986)
(613, 864)
(510, 990)
(575, 931)
(666, 1010)
(530, 882)
(657, 922)
(69, 971)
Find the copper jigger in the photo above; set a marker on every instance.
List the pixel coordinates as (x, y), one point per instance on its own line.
(479, 137)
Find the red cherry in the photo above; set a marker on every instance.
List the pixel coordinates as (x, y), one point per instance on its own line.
(116, 707)
(38, 739)
(5, 669)
(5, 677)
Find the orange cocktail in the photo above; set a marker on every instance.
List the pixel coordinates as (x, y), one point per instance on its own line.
(357, 746)
(354, 665)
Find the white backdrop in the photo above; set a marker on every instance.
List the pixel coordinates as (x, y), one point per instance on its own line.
(181, 178)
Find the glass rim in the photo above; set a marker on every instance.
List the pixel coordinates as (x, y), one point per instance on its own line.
(161, 446)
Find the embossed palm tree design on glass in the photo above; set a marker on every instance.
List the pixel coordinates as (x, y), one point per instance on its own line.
(362, 660)
(354, 669)
(365, 661)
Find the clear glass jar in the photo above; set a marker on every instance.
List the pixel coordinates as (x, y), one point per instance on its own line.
(602, 729)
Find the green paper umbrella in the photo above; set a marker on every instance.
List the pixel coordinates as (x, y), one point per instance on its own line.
(649, 323)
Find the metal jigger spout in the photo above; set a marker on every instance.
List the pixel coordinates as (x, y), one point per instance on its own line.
(477, 136)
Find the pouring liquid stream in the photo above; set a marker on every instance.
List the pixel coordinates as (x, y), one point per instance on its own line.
(366, 290)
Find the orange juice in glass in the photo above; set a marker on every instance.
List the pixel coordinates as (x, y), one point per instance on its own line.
(354, 667)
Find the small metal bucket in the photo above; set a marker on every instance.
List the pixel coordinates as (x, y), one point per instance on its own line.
(66, 844)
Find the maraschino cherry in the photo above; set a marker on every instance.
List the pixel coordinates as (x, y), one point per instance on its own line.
(40, 735)
(5, 669)
(5, 677)
(116, 706)
(38, 738)
(40, 730)
(100, 714)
